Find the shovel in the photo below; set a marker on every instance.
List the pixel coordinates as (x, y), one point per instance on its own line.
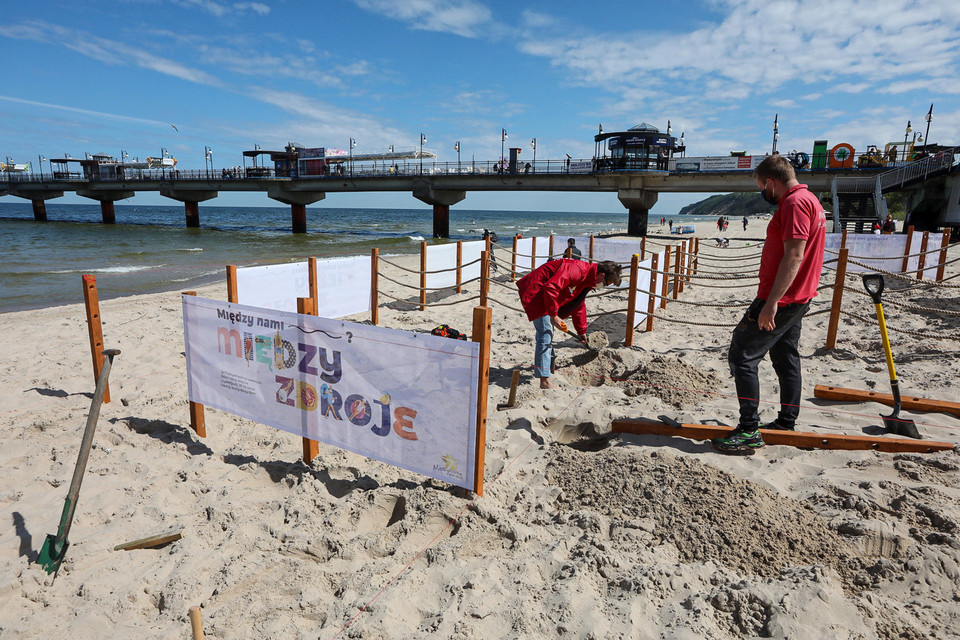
(55, 546)
(873, 283)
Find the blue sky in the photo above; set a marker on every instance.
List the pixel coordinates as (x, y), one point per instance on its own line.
(105, 76)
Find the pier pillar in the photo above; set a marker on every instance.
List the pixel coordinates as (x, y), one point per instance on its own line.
(441, 221)
(298, 218)
(40, 210)
(107, 213)
(440, 200)
(638, 203)
(192, 212)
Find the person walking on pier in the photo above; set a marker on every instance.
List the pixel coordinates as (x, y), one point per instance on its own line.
(790, 267)
(557, 289)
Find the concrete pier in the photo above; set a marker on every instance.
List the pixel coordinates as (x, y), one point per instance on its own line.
(440, 200)
(192, 214)
(638, 203)
(40, 210)
(107, 212)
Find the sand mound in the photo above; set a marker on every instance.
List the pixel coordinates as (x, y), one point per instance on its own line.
(706, 513)
(642, 374)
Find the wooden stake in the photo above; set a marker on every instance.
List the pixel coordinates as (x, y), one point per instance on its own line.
(152, 541)
(196, 623)
(652, 300)
(676, 273)
(512, 400)
(632, 299)
(513, 261)
(906, 251)
(484, 276)
(837, 302)
(944, 243)
(91, 301)
(198, 420)
(643, 247)
(374, 286)
(591, 246)
(550, 247)
(922, 258)
(311, 448)
(665, 283)
(482, 321)
(232, 284)
(802, 439)
(459, 265)
(312, 280)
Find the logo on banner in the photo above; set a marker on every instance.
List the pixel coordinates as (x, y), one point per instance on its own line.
(449, 467)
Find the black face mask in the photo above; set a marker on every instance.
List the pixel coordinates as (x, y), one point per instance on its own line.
(768, 199)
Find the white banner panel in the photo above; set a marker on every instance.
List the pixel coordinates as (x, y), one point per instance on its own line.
(543, 250)
(524, 251)
(407, 399)
(619, 250)
(930, 260)
(880, 251)
(442, 256)
(274, 286)
(343, 286)
(471, 251)
(643, 291)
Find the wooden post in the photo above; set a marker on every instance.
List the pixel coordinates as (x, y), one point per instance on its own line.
(665, 286)
(198, 420)
(232, 284)
(374, 286)
(196, 623)
(676, 274)
(643, 247)
(906, 252)
(533, 253)
(568, 253)
(312, 279)
(944, 243)
(837, 299)
(423, 276)
(843, 238)
(651, 301)
(696, 255)
(922, 258)
(685, 262)
(513, 261)
(484, 276)
(632, 299)
(459, 265)
(550, 247)
(311, 448)
(482, 320)
(591, 246)
(92, 302)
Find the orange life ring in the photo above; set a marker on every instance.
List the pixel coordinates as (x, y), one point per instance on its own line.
(841, 156)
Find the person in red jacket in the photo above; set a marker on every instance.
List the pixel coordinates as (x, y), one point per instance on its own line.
(557, 289)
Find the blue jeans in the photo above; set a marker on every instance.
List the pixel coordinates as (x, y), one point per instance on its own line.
(748, 347)
(544, 340)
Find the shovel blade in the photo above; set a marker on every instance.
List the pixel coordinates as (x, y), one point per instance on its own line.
(901, 426)
(50, 556)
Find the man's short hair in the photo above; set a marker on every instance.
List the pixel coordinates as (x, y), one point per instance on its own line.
(775, 167)
(571, 241)
(611, 272)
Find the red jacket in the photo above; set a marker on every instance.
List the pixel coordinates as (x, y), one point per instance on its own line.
(555, 283)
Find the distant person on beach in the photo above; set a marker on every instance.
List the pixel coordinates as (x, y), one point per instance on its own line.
(557, 289)
(671, 225)
(790, 267)
(745, 221)
(889, 225)
(573, 250)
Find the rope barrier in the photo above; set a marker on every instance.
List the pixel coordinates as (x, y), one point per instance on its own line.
(910, 332)
(429, 304)
(927, 283)
(901, 305)
(909, 255)
(394, 264)
(418, 288)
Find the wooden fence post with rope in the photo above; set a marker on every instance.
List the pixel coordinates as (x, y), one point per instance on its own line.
(232, 295)
(513, 261)
(423, 276)
(652, 301)
(482, 323)
(459, 266)
(906, 251)
(922, 258)
(374, 286)
(198, 420)
(841, 274)
(676, 274)
(484, 276)
(944, 243)
(632, 299)
(665, 286)
(311, 448)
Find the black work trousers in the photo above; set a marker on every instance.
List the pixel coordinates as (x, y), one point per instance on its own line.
(748, 347)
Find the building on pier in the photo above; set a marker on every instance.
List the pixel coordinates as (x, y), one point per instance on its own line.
(639, 148)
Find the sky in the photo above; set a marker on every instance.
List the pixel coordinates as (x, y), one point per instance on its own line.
(141, 75)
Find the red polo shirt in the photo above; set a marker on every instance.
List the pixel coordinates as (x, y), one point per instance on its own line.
(799, 216)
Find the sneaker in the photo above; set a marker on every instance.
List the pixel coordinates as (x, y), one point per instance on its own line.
(776, 426)
(739, 442)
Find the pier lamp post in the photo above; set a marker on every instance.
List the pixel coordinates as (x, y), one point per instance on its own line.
(353, 143)
(928, 118)
(456, 146)
(423, 139)
(503, 138)
(208, 160)
(533, 145)
(776, 134)
(683, 146)
(905, 134)
(40, 160)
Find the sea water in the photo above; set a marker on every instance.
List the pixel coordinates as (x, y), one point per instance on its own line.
(150, 249)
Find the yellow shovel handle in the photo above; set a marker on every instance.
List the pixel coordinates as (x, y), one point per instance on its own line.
(886, 341)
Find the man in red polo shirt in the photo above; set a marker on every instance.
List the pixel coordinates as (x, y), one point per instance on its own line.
(790, 267)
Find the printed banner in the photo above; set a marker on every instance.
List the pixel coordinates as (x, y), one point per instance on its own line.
(617, 250)
(407, 399)
(885, 252)
(274, 286)
(343, 286)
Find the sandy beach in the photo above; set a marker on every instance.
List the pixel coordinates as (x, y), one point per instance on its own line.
(580, 533)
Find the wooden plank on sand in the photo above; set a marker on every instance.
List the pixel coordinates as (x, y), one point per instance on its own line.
(153, 541)
(907, 402)
(804, 439)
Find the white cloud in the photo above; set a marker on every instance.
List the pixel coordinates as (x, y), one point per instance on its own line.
(460, 17)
